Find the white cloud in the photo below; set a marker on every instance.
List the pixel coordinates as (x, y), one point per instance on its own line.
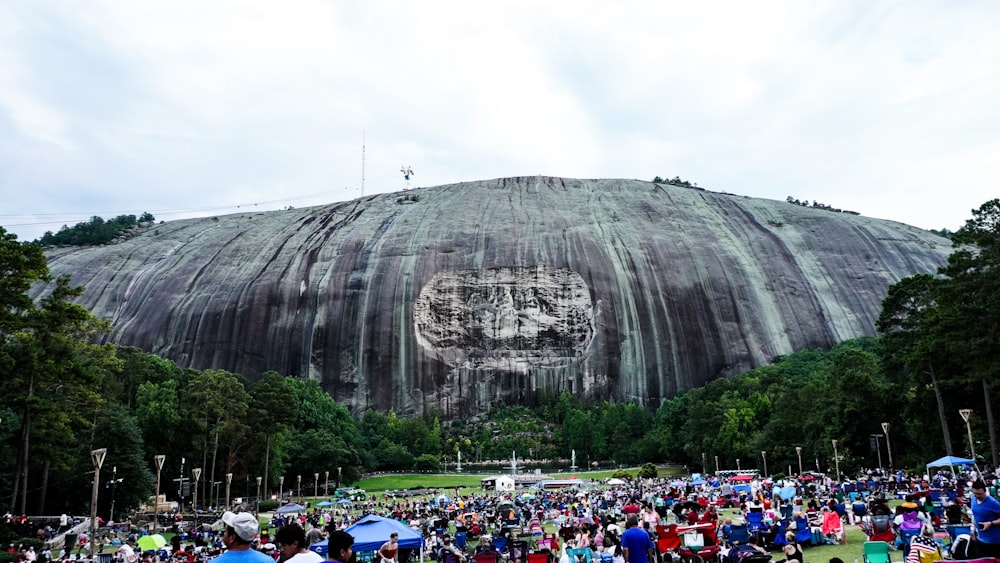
(113, 106)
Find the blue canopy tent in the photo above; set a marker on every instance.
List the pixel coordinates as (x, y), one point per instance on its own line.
(372, 531)
(951, 461)
(290, 508)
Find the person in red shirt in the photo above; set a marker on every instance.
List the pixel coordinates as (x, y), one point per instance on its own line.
(631, 507)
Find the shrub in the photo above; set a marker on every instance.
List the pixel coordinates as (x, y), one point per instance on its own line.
(647, 471)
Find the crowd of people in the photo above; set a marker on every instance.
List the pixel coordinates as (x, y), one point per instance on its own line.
(621, 523)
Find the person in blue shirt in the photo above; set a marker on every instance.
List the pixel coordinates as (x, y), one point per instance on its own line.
(986, 521)
(240, 531)
(636, 545)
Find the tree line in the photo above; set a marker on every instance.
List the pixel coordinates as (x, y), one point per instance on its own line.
(67, 394)
(94, 232)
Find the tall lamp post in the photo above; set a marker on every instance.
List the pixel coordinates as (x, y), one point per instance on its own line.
(326, 483)
(763, 456)
(196, 473)
(738, 468)
(158, 461)
(716, 465)
(257, 511)
(704, 462)
(114, 485)
(338, 475)
(298, 486)
(281, 488)
(798, 451)
(229, 481)
(97, 458)
(836, 460)
(967, 417)
(888, 447)
(315, 484)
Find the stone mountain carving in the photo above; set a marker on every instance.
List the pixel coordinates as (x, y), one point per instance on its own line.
(462, 296)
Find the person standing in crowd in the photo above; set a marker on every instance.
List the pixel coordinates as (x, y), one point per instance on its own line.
(636, 545)
(986, 521)
(294, 546)
(340, 546)
(389, 549)
(241, 529)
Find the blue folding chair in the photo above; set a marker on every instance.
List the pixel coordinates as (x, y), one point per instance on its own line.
(739, 534)
(755, 523)
(499, 544)
(803, 533)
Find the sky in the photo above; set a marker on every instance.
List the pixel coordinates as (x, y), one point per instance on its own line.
(199, 108)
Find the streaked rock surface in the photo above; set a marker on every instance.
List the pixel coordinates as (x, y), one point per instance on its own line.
(491, 291)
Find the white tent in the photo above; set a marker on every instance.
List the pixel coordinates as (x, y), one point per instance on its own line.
(504, 483)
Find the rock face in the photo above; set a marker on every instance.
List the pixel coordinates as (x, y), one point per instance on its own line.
(462, 296)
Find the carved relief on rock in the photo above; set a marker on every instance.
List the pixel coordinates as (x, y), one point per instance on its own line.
(505, 318)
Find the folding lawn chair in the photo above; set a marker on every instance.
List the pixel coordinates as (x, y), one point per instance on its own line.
(876, 552)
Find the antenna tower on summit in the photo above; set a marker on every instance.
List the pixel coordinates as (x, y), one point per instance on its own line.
(407, 172)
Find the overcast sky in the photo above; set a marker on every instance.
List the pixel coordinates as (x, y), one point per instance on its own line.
(183, 109)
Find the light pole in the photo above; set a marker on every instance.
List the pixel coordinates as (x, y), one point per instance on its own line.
(704, 462)
(180, 487)
(716, 465)
(298, 486)
(196, 473)
(326, 484)
(97, 458)
(836, 460)
(158, 461)
(888, 448)
(967, 417)
(763, 455)
(257, 511)
(315, 485)
(281, 488)
(338, 476)
(738, 468)
(229, 481)
(114, 483)
(798, 451)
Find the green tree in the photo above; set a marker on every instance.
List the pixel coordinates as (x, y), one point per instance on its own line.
(219, 404)
(272, 410)
(54, 380)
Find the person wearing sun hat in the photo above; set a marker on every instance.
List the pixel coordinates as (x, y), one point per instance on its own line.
(241, 529)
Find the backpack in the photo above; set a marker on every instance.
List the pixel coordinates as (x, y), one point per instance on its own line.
(961, 548)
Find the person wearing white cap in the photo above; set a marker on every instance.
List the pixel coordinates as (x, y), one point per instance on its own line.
(240, 530)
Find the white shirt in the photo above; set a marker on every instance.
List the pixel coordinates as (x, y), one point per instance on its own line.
(307, 557)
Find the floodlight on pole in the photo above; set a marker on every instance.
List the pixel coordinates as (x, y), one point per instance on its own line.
(315, 484)
(326, 483)
(229, 481)
(196, 473)
(967, 417)
(281, 488)
(158, 460)
(763, 456)
(97, 458)
(257, 511)
(798, 451)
